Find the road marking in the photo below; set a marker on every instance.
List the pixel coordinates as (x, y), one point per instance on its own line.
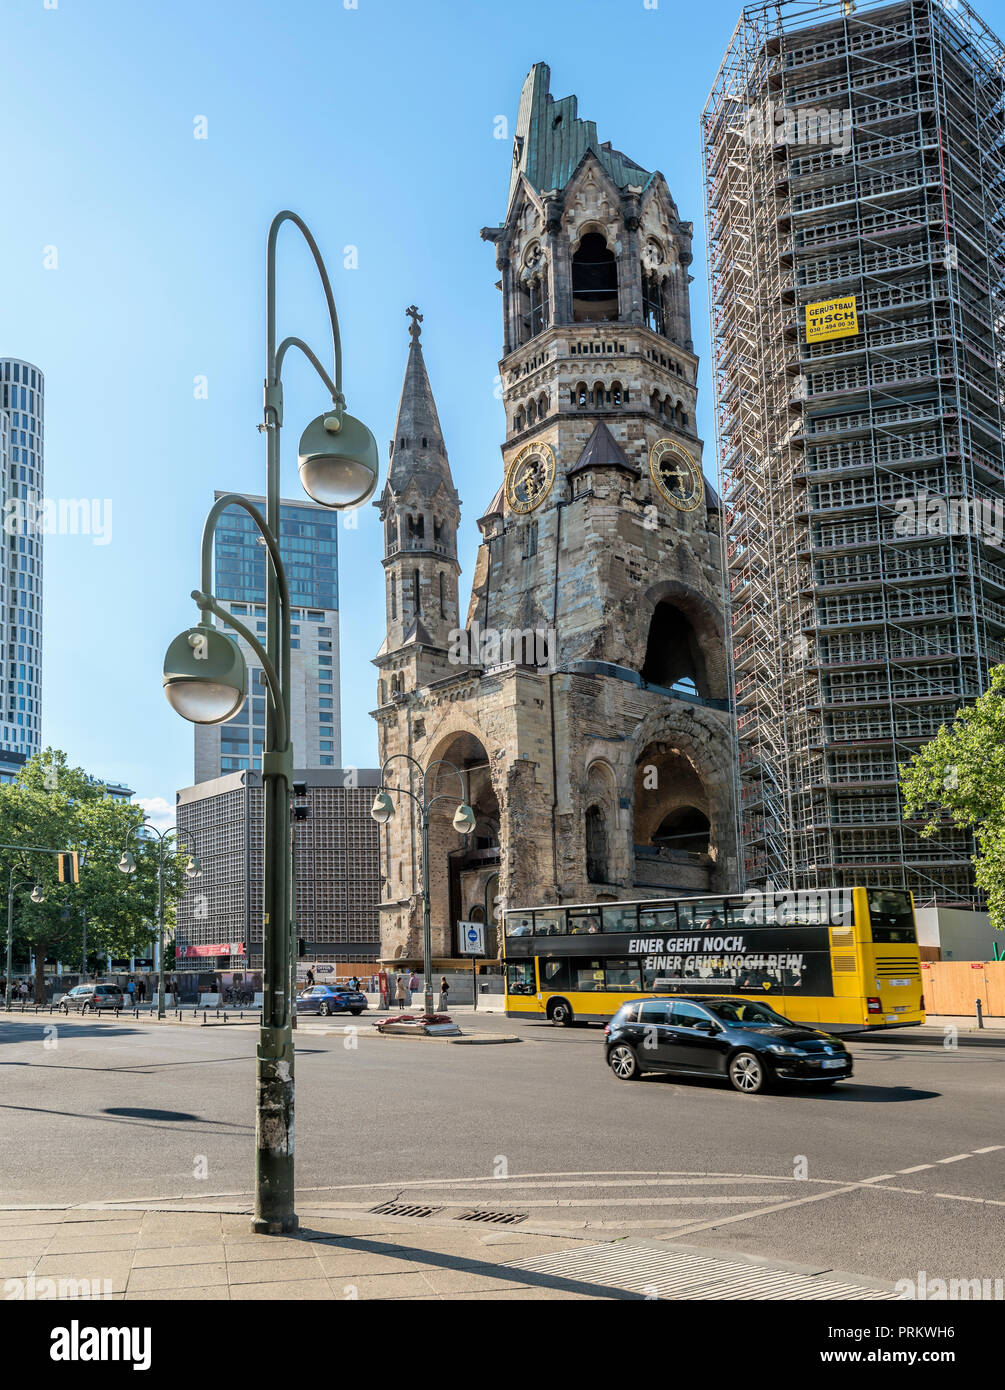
(991, 1149)
(956, 1158)
(918, 1168)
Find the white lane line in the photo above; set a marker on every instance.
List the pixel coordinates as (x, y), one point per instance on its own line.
(956, 1158)
(918, 1168)
(991, 1149)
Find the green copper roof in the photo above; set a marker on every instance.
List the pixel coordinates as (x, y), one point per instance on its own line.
(551, 140)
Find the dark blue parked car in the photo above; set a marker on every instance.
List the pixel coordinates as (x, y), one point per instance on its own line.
(330, 999)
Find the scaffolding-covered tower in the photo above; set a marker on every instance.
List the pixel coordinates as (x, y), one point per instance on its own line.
(857, 151)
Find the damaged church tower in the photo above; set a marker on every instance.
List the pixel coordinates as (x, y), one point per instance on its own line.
(585, 698)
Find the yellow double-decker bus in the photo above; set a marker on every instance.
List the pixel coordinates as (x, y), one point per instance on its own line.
(844, 959)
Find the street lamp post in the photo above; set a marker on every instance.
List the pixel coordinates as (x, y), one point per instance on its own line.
(127, 865)
(37, 896)
(205, 680)
(464, 822)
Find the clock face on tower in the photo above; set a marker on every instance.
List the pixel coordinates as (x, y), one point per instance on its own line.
(529, 477)
(676, 475)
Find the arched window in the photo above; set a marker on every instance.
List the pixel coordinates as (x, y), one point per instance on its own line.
(685, 830)
(518, 421)
(542, 406)
(531, 412)
(652, 302)
(594, 281)
(394, 596)
(673, 653)
(443, 594)
(615, 393)
(596, 845)
(582, 395)
(415, 593)
(599, 395)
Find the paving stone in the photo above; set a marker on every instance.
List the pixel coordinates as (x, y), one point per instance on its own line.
(180, 1255)
(176, 1277)
(293, 1289)
(272, 1271)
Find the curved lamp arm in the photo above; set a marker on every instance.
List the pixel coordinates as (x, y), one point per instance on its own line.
(273, 360)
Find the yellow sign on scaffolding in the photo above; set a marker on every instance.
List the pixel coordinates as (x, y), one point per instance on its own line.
(831, 318)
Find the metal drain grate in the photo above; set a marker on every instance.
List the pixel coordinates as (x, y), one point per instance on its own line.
(498, 1218)
(403, 1209)
(656, 1271)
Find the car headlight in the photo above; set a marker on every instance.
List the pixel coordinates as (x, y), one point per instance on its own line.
(782, 1051)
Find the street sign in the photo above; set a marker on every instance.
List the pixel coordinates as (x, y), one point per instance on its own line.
(471, 936)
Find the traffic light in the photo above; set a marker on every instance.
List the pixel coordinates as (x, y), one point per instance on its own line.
(68, 866)
(301, 947)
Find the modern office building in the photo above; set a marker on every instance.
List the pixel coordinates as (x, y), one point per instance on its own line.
(22, 402)
(336, 870)
(309, 538)
(855, 164)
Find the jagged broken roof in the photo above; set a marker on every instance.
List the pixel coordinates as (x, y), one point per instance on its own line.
(551, 140)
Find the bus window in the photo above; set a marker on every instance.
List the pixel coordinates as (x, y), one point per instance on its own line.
(549, 923)
(891, 916)
(583, 921)
(618, 918)
(556, 974)
(623, 974)
(658, 919)
(520, 978)
(519, 923)
(702, 915)
(588, 975)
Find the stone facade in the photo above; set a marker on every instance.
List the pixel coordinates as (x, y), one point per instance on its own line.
(584, 700)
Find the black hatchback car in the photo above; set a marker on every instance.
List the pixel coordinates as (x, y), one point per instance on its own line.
(742, 1039)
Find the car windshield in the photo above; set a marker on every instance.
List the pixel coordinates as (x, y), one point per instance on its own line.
(747, 1013)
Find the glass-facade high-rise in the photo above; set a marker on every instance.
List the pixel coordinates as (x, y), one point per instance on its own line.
(22, 399)
(309, 541)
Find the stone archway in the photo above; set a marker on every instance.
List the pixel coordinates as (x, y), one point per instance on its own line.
(683, 829)
(459, 865)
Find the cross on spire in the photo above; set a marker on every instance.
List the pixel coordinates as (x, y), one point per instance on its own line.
(413, 328)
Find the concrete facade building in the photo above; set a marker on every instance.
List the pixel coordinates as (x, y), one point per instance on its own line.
(854, 163)
(309, 538)
(22, 458)
(584, 694)
(336, 878)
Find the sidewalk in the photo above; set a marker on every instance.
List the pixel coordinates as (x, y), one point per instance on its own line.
(132, 1253)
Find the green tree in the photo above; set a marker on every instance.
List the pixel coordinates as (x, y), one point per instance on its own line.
(959, 779)
(54, 806)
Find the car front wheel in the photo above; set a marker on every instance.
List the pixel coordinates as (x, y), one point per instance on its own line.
(748, 1073)
(324, 1010)
(624, 1063)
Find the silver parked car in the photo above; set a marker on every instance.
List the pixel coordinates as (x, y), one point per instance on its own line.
(87, 999)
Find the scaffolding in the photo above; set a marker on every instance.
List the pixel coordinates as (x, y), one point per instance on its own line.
(857, 149)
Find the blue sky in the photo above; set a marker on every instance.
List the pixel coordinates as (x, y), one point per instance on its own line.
(377, 125)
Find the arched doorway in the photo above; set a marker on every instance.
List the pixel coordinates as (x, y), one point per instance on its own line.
(673, 830)
(459, 865)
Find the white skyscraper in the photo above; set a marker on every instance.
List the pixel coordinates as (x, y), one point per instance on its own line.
(22, 394)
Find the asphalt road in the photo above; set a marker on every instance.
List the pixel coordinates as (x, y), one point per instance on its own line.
(897, 1171)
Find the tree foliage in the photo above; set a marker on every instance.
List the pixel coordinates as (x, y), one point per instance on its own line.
(959, 779)
(52, 806)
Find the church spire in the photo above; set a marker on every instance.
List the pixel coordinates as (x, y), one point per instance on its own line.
(418, 452)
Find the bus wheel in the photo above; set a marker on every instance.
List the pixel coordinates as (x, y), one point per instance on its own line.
(748, 1073)
(560, 1013)
(624, 1063)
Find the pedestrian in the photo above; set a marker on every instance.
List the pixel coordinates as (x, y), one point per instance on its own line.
(382, 987)
(444, 991)
(131, 989)
(399, 991)
(310, 978)
(141, 991)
